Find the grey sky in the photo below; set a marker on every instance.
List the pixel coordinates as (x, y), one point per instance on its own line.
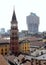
(22, 9)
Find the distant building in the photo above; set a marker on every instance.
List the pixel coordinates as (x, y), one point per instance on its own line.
(32, 23)
(23, 33)
(14, 45)
(2, 31)
(44, 39)
(8, 31)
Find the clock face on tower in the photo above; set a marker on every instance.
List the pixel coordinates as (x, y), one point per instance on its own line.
(13, 24)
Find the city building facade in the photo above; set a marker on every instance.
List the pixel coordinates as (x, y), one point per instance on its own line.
(25, 46)
(32, 23)
(4, 46)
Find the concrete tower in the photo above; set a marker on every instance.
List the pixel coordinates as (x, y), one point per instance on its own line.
(33, 23)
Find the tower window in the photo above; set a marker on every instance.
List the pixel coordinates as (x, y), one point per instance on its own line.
(12, 48)
(14, 37)
(12, 33)
(1, 49)
(14, 28)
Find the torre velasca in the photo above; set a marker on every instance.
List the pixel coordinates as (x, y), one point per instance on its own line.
(14, 45)
(32, 23)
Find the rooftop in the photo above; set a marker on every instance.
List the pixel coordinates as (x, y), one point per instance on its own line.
(3, 61)
(4, 40)
(42, 57)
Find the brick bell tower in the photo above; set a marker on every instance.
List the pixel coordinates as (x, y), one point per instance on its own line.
(14, 45)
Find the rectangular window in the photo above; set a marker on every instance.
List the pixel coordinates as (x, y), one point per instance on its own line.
(5, 49)
(1, 49)
(2, 53)
(5, 53)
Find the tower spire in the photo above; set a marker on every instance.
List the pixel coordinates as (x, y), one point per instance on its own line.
(14, 15)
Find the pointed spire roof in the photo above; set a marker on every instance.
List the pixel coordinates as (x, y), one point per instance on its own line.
(14, 15)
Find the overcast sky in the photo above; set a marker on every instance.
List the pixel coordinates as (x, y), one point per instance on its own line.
(22, 8)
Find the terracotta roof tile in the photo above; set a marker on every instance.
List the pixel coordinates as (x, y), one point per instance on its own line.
(27, 63)
(38, 43)
(3, 61)
(10, 58)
